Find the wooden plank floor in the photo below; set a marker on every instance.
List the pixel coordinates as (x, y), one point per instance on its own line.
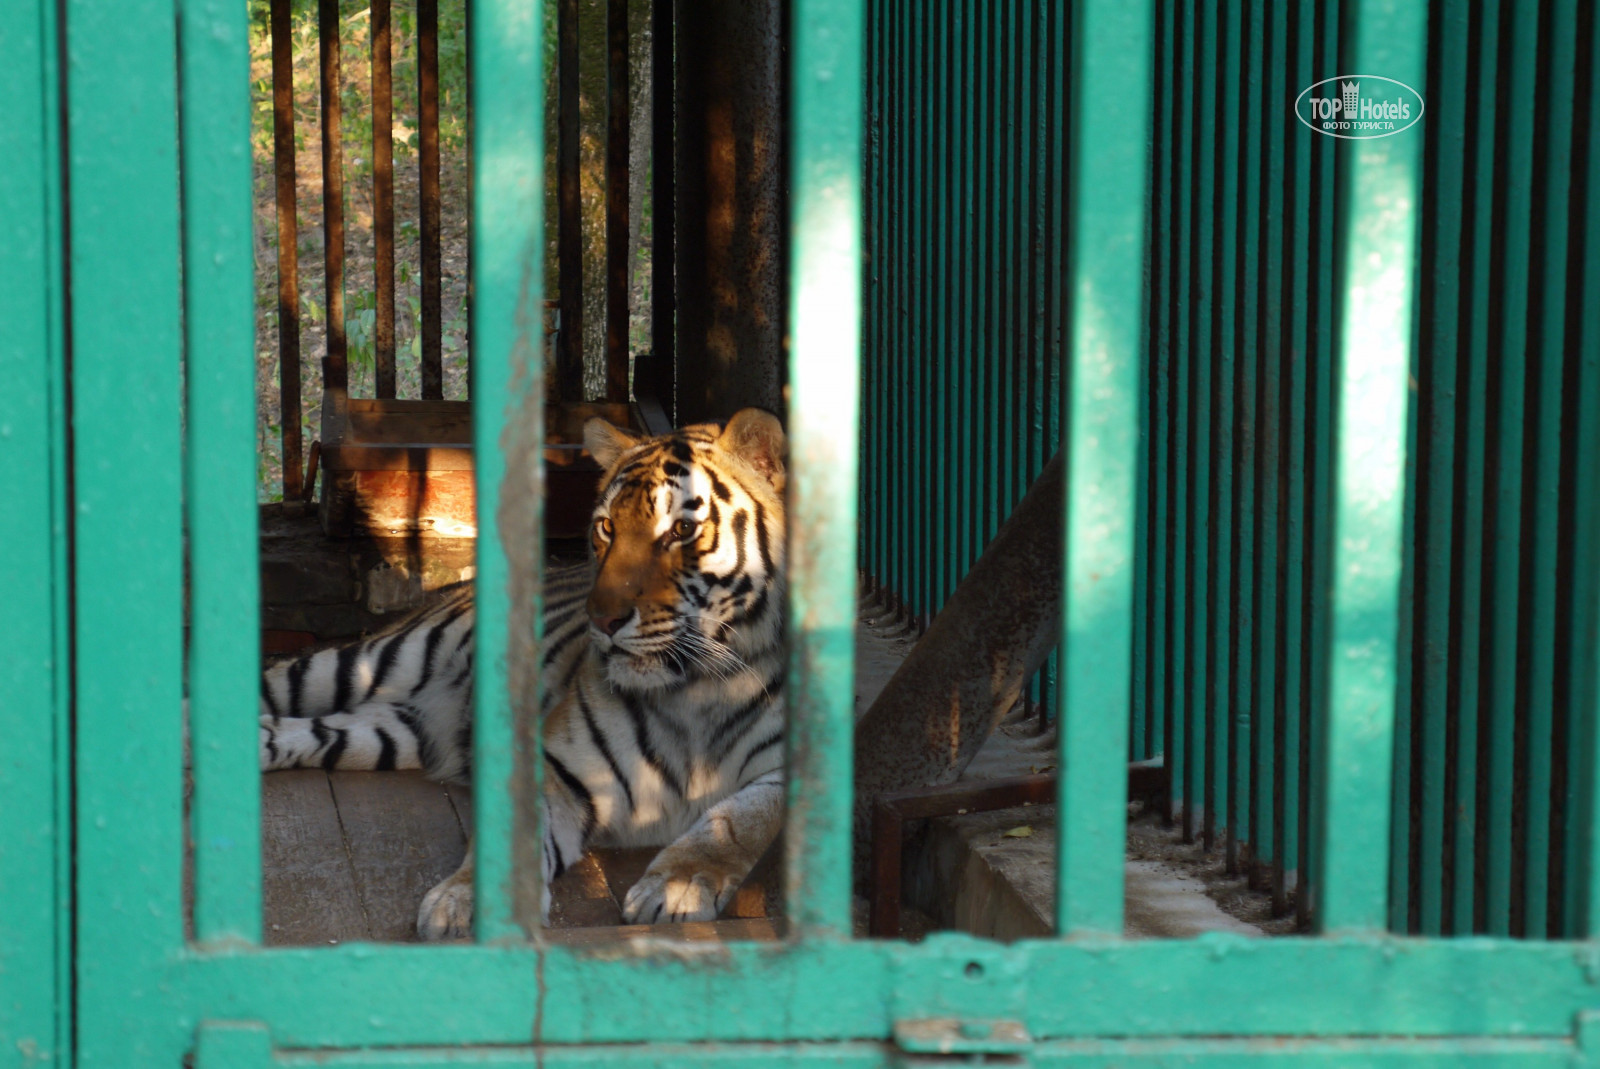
(349, 855)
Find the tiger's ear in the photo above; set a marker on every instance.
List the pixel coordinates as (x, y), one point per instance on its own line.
(606, 442)
(757, 438)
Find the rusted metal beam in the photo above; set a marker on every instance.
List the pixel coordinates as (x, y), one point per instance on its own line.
(335, 370)
(383, 198)
(618, 264)
(972, 664)
(288, 250)
(428, 107)
(663, 198)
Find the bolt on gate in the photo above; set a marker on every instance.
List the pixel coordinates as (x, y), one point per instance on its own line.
(125, 414)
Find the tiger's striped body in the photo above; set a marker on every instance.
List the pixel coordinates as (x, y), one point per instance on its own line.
(663, 677)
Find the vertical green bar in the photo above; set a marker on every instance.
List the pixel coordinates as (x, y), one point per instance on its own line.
(220, 460)
(916, 305)
(825, 318)
(938, 443)
(1509, 319)
(1202, 295)
(1223, 600)
(968, 430)
(1292, 412)
(1547, 343)
(1247, 369)
(1377, 276)
(1178, 669)
(122, 164)
(1160, 425)
(1439, 311)
(35, 773)
(1473, 709)
(1268, 653)
(508, 435)
(1110, 100)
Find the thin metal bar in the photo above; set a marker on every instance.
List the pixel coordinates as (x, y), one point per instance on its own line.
(1111, 86)
(382, 198)
(1178, 475)
(508, 429)
(1203, 371)
(220, 469)
(569, 225)
(1489, 75)
(1265, 659)
(824, 368)
(288, 250)
(1240, 829)
(335, 370)
(1291, 551)
(663, 195)
(1159, 423)
(432, 328)
(618, 266)
(1546, 348)
(1355, 763)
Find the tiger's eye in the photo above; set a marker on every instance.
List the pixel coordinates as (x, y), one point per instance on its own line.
(684, 530)
(603, 526)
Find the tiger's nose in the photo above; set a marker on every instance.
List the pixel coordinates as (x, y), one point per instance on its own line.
(610, 624)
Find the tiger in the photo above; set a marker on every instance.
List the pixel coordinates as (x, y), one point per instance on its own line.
(663, 662)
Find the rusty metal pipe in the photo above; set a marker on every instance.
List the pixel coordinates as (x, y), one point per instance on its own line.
(990, 638)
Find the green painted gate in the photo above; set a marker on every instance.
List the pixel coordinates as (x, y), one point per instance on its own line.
(126, 430)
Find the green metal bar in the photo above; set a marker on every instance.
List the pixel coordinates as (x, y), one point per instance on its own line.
(1584, 780)
(508, 429)
(824, 299)
(1297, 285)
(1546, 348)
(220, 468)
(950, 253)
(122, 170)
(968, 430)
(1241, 830)
(918, 350)
(1265, 658)
(939, 402)
(1202, 178)
(1355, 766)
(1508, 323)
(1179, 474)
(1439, 319)
(1225, 335)
(1110, 87)
(1473, 707)
(842, 989)
(1159, 426)
(35, 775)
(1141, 712)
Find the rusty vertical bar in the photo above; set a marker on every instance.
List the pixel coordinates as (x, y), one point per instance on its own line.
(569, 230)
(428, 125)
(383, 197)
(618, 116)
(335, 373)
(288, 249)
(663, 197)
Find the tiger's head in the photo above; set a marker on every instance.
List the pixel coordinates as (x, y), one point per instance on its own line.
(688, 540)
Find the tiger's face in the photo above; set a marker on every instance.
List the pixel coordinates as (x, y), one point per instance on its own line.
(688, 538)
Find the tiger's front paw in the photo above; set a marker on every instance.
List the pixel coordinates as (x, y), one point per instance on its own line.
(678, 894)
(446, 911)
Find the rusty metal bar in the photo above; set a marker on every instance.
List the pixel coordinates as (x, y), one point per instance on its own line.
(428, 108)
(891, 812)
(663, 198)
(335, 371)
(569, 209)
(618, 119)
(383, 197)
(288, 249)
